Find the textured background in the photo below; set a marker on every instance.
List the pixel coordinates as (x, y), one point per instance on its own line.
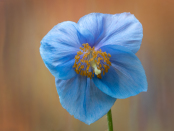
(28, 96)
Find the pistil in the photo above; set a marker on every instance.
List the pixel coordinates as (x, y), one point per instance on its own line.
(88, 62)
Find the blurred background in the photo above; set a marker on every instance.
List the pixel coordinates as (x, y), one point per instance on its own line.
(28, 96)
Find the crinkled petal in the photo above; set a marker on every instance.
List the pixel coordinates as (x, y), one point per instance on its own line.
(126, 76)
(59, 47)
(81, 98)
(119, 29)
(94, 23)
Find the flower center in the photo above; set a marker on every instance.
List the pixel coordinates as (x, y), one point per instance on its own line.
(89, 62)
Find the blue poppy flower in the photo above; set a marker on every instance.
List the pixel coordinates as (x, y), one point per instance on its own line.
(94, 62)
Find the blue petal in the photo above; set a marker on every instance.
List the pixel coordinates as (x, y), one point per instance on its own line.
(81, 98)
(59, 47)
(93, 23)
(126, 76)
(119, 29)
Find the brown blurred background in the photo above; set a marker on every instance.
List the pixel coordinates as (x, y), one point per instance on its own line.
(28, 96)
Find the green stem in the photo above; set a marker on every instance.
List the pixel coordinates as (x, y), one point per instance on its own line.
(109, 117)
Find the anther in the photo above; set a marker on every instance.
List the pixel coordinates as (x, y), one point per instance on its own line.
(89, 62)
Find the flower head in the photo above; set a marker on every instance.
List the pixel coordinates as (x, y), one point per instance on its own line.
(94, 62)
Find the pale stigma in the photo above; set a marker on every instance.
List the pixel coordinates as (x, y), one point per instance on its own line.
(89, 62)
(94, 65)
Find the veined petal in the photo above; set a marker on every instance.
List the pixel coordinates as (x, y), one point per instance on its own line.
(94, 23)
(126, 76)
(119, 29)
(59, 47)
(81, 98)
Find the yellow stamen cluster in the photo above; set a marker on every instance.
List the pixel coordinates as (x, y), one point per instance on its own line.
(89, 62)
